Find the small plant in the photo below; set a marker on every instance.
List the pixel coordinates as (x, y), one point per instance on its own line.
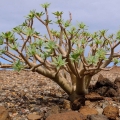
(59, 52)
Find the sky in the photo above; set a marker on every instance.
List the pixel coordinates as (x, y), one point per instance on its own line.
(96, 14)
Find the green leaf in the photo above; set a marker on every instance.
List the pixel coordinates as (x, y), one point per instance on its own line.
(94, 35)
(74, 41)
(58, 13)
(66, 24)
(24, 23)
(83, 41)
(48, 21)
(116, 61)
(103, 32)
(59, 21)
(118, 35)
(10, 36)
(31, 49)
(59, 62)
(98, 41)
(92, 60)
(39, 42)
(81, 25)
(76, 54)
(1, 40)
(18, 65)
(18, 29)
(28, 31)
(45, 5)
(72, 30)
(86, 34)
(14, 46)
(2, 51)
(40, 14)
(101, 53)
(50, 45)
(31, 15)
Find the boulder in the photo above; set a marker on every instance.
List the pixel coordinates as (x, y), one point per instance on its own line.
(93, 96)
(70, 115)
(105, 87)
(4, 114)
(97, 117)
(117, 83)
(103, 82)
(32, 116)
(111, 112)
(85, 110)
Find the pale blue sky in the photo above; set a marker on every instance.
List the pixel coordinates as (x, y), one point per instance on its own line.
(97, 14)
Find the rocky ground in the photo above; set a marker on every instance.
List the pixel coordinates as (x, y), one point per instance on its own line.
(30, 96)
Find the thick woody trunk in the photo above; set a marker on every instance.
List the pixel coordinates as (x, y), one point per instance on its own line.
(82, 85)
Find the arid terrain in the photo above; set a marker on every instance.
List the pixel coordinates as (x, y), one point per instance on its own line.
(28, 92)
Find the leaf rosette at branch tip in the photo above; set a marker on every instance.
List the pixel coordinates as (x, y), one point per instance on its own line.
(103, 32)
(59, 62)
(39, 14)
(72, 30)
(29, 31)
(50, 45)
(118, 35)
(14, 46)
(92, 60)
(38, 43)
(24, 24)
(83, 41)
(66, 24)
(98, 41)
(116, 61)
(75, 55)
(18, 29)
(45, 5)
(2, 51)
(18, 65)
(58, 14)
(9, 36)
(31, 15)
(1, 40)
(82, 26)
(31, 49)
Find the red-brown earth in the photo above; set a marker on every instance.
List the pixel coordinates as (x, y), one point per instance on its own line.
(27, 93)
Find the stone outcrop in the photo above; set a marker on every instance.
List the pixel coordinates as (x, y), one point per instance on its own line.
(111, 112)
(4, 114)
(70, 115)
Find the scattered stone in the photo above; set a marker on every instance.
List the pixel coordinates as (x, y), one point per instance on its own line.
(106, 91)
(87, 102)
(67, 105)
(77, 103)
(100, 110)
(4, 114)
(90, 104)
(53, 110)
(97, 117)
(93, 96)
(27, 92)
(111, 112)
(103, 82)
(117, 83)
(32, 116)
(85, 110)
(71, 115)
